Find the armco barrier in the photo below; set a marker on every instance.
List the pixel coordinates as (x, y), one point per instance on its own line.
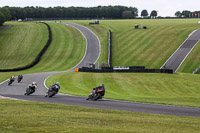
(109, 48)
(37, 59)
(136, 69)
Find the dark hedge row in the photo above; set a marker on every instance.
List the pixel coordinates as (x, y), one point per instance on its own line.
(37, 59)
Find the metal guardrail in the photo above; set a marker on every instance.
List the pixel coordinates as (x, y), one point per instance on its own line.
(196, 71)
(109, 48)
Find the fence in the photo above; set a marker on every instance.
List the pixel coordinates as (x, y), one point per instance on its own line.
(196, 71)
(133, 69)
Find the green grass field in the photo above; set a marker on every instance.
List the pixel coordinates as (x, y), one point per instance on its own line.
(24, 116)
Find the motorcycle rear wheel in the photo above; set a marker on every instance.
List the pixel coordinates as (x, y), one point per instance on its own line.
(97, 96)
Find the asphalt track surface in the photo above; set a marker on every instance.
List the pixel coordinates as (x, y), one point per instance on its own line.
(17, 90)
(175, 61)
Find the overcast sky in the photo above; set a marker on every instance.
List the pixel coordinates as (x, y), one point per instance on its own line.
(164, 7)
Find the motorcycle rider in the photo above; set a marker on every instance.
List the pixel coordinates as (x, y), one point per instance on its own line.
(20, 77)
(100, 87)
(32, 87)
(55, 87)
(95, 90)
(12, 78)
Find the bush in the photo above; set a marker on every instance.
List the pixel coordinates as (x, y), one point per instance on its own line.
(2, 19)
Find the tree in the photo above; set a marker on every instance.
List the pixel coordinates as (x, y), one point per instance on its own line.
(134, 11)
(178, 14)
(127, 15)
(153, 14)
(186, 14)
(2, 19)
(5, 11)
(144, 13)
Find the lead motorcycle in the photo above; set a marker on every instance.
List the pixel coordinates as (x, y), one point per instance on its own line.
(96, 93)
(11, 81)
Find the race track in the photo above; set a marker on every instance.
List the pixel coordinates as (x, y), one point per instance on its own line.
(175, 61)
(17, 90)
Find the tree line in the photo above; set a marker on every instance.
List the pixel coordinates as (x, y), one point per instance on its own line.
(187, 14)
(111, 12)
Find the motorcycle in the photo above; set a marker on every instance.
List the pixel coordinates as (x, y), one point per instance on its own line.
(10, 82)
(29, 91)
(52, 91)
(96, 93)
(19, 78)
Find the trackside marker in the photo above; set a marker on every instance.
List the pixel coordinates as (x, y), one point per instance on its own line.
(9, 98)
(76, 69)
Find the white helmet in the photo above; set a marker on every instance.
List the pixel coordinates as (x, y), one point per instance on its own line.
(34, 83)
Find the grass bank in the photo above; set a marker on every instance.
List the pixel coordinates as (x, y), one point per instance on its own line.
(66, 50)
(20, 44)
(177, 89)
(23, 116)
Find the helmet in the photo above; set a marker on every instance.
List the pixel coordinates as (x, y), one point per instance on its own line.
(34, 83)
(57, 83)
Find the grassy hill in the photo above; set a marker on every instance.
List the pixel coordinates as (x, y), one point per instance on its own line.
(65, 51)
(20, 44)
(149, 47)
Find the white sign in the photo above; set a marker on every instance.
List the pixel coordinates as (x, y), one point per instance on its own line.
(121, 68)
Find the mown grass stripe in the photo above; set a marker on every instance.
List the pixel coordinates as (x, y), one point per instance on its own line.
(140, 50)
(61, 55)
(20, 41)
